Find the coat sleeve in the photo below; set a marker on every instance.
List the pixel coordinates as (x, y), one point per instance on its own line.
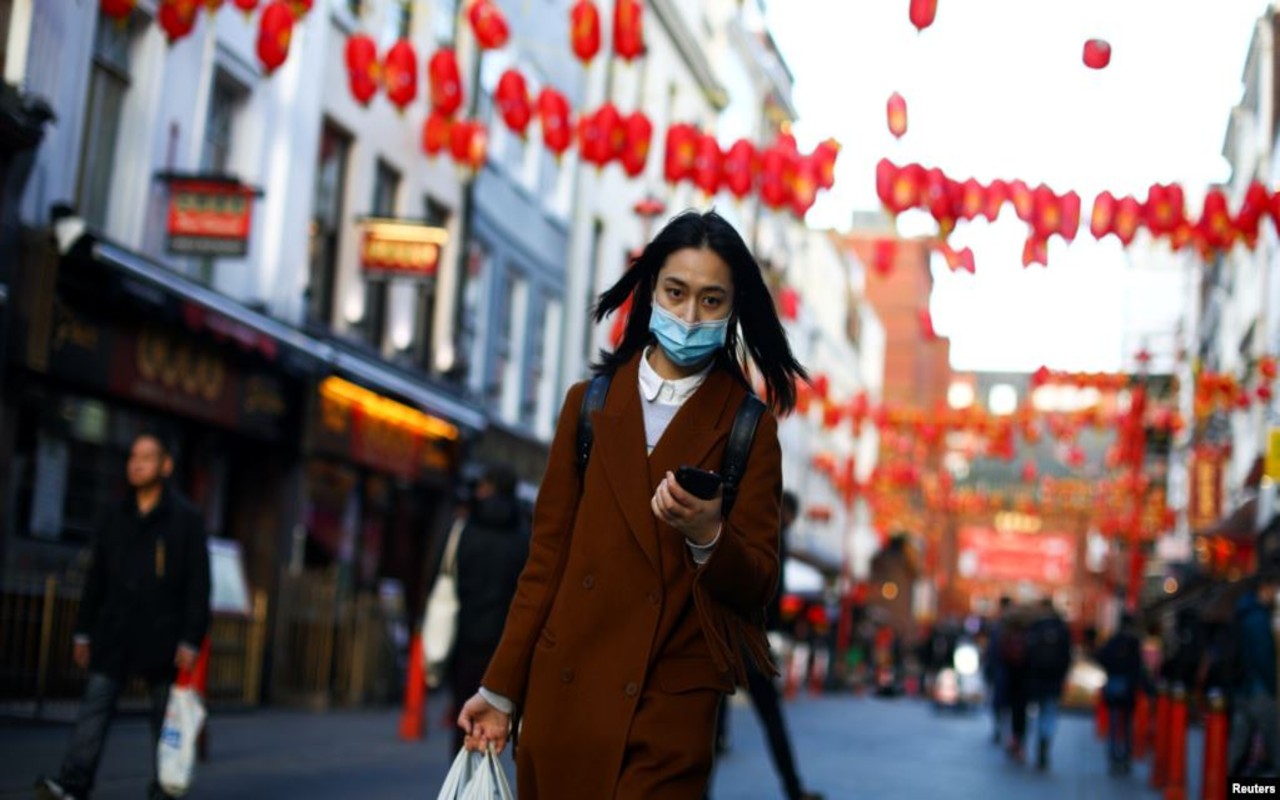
(553, 517)
(95, 588)
(195, 617)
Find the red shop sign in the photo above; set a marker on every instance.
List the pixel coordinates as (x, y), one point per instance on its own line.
(987, 554)
(209, 215)
(400, 248)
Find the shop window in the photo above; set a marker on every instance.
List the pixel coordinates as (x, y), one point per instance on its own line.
(593, 269)
(226, 99)
(386, 183)
(495, 392)
(546, 376)
(437, 214)
(477, 266)
(512, 348)
(108, 84)
(326, 223)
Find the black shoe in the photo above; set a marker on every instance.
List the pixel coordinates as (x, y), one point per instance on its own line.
(49, 789)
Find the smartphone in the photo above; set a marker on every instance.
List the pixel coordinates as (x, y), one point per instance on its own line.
(698, 482)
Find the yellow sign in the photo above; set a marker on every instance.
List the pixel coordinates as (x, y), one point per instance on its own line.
(1273, 454)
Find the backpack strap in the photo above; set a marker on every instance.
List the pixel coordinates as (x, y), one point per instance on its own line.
(593, 400)
(736, 451)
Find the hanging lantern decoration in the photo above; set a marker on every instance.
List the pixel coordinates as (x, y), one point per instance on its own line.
(1215, 229)
(896, 115)
(1046, 214)
(628, 29)
(739, 168)
(1128, 218)
(997, 194)
(638, 140)
(1070, 224)
(468, 144)
(1164, 210)
(247, 6)
(177, 18)
(1030, 472)
(584, 30)
(615, 133)
(117, 9)
(973, 200)
(774, 189)
(938, 199)
(1097, 54)
(435, 134)
(1255, 204)
(512, 97)
(681, 152)
(883, 254)
(488, 24)
(821, 387)
(1023, 200)
(922, 13)
(804, 188)
(400, 74)
(1035, 251)
(275, 31)
(789, 307)
(363, 70)
(553, 116)
(1103, 220)
(886, 176)
(445, 81)
(825, 154)
(593, 140)
(706, 165)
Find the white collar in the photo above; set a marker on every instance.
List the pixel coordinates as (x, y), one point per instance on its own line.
(672, 392)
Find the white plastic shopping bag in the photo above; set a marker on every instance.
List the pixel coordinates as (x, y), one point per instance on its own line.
(440, 623)
(176, 754)
(476, 776)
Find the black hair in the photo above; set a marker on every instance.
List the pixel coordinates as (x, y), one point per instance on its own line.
(502, 478)
(166, 449)
(790, 503)
(763, 339)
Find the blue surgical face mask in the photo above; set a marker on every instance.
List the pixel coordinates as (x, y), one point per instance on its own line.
(687, 345)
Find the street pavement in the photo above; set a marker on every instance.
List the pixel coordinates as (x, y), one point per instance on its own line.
(847, 748)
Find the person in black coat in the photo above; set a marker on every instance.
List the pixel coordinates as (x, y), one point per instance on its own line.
(143, 613)
(1121, 657)
(1048, 662)
(492, 550)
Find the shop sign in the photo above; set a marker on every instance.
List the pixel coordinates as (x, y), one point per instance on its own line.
(379, 432)
(400, 248)
(1205, 507)
(1273, 454)
(989, 555)
(209, 216)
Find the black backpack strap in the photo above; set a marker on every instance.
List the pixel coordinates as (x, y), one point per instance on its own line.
(593, 400)
(736, 451)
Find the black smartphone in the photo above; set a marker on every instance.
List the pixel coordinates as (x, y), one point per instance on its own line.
(699, 482)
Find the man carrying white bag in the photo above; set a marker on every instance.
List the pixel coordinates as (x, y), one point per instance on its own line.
(176, 751)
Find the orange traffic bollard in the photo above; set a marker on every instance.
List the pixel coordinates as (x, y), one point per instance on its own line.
(1214, 785)
(1160, 765)
(1175, 787)
(411, 726)
(1141, 726)
(1101, 718)
(200, 682)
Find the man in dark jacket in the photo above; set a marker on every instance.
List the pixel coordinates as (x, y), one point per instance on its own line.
(1253, 695)
(143, 613)
(1048, 662)
(492, 550)
(995, 673)
(1121, 657)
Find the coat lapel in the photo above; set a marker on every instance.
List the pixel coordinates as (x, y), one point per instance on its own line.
(695, 430)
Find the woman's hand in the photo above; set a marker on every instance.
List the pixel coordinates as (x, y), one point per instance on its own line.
(484, 724)
(697, 519)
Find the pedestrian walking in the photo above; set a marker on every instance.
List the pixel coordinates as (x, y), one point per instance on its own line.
(143, 613)
(996, 674)
(492, 549)
(1014, 652)
(1048, 662)
(1253, 679)
(1122, 658)
(641, 603)
(762, 689)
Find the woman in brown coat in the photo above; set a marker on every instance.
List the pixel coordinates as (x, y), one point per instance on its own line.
(639, 603)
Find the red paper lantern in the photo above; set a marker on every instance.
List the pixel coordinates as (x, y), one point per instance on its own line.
(821, 386)
(1030, 472)
(639, 140)
(1023, 200)
(468, 144)
(997, 196)
(883, 254)
(362, 67)
(825, 155)
(775, 190)
(1128, 218)
(938, 198)
(584, 30)
(1075, 457)
(593, 139)
(117, 9)
(1035, 251)
(1046, 214)
(973, 199)
(275, 31)
(445, 81)
(922, 13)
(615, 133)
(436, 133)
(706, 165)
(1104, 215)
(512, 97)
(789, 306)
(489, 24)
(896, 115)
(887, 176)
(553, 115)
(681, 152)
(1215, 230)
(804, 187)
(1097, 54)
(1070, 224)
(1267, 368)
(400, 74)
(739, 168)
(1164, 210)
(628, 29)
(177, 18)
(1256, 203)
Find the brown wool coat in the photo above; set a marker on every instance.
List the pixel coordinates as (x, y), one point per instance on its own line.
(618, 647)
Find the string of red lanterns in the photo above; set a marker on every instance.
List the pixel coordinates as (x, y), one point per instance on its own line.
(178, 18)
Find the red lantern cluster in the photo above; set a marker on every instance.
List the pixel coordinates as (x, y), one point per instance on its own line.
(1224, 392)
(468, 144)
(1102, 381)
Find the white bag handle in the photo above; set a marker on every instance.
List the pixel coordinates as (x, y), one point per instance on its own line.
(476, 776)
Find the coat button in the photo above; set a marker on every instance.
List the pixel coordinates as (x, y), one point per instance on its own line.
(632, 690)
(589, 582)
(566, 675)
(653, 598)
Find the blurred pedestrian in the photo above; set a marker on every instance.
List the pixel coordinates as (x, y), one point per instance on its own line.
(995, 673)
(1014, 653)
(492, 549)
(1048, 662)
(642, 604)
(764, 691)
(1121, 657)
(1253, 694)
(143, 613)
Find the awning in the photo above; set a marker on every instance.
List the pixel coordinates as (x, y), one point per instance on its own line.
(227, 318)
(1241, 523)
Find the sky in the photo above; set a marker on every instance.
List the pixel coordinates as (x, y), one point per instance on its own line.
(997, 89)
